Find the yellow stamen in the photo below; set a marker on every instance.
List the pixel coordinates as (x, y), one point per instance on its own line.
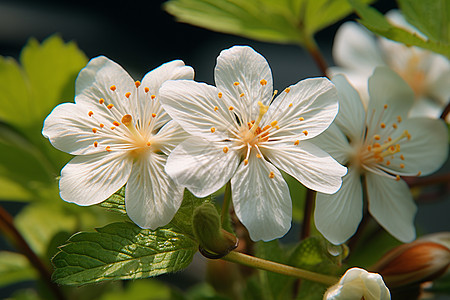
(385, 106)
(128, 94)
(108, 148)
(153, 115)
(213, 129)
(301, 119)
(137, 84)
(110, 106)
(102, 125)
(90, 114)
(115, 123)
(94, 130)
(101, 101)
(399, 119)
(271, 175)
(96, 144)
(113, 88)
(382, 125)
(377, 137)
(290, 104)
(146, 89)
(245, 162)
(153, 97)
(394, 125)
(127, 120)
(148, 144)
(296, 142)
(402, 166)
(397, 178)
(241, 95)
(287, 90)
(263, 82)
(231, 108)
(220, 95)
(274, 123)
(216, 108)
(236, 83)
(225, 149)
(305, 132)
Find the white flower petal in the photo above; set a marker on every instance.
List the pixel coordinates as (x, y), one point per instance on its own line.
(335, 143)
(151, 197)
(169, 136)
(244, 65)
(391, 204)
(91, 179)
(262, 204)
(351, 116)
(358, 79)
(355, 48)
(201, 166)
(197, 108)
(311, 105)
(307, 163)
(337, 216)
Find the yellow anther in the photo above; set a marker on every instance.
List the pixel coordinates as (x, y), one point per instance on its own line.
(108, 148)
(274, 123)
(94, 130)
(392, 149)
(115, 123)
(127, 120)
(137, 84)
(402, 157)
(153, 97)
(225, 149)
(113, 88)
(242, 95)
(220, 95)
(389, 139)
(369, 148)
(385, 106)
(258, 155)
(231, 108)
(305, 132)
(388, 163)
(397, 177)
(112, 127)
(263, 82)
(394, 125)
(245, 162)
(109, 106)
(101, 101)
(102, 125)
(402, 166)
(213, 129)
(128, 94)
(296, 142)
(216, 108)
(382, 125)
(236, 83)
(146, 89)
(290, 104)
(277, 127)
(90, 114)
(377, 137)
(301, 119)
(287, 90)
(399, 119)
(153, 115)
(271, 175)
(148, 144)
(419, 173)
(96, 144)
(376, 145)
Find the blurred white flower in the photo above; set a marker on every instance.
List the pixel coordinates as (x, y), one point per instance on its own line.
(357, 52)
(357, 284)
(238, 136)
(378, 145)
(120, 135)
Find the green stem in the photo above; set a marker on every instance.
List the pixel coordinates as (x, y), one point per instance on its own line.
(309, 204)
(259, 263)
(314, 51)
(225, 217)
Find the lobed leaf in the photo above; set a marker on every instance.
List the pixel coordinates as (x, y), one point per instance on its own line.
(122, 251)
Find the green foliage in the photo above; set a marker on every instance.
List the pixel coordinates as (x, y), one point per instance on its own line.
(14, 267)
(122, 251)
(286, 21)
(416, 13)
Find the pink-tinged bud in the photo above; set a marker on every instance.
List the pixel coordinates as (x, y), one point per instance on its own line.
(422, 260)
(358, 284)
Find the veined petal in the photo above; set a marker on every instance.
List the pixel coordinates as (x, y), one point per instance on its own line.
(198, 109)
(202, 166)
(357, 78)
(169, 136)
(391, 204)
(426, 150)
(307, 163)
(70, 129)
(243, 65)
(335, 143)
(310, 105)
(351, 116)
(151, 197)
(91, 179)
(337, 216)
(355, 48)
(261, 199)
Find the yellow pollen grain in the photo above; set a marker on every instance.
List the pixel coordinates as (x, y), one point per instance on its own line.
(296, 142)
(96, 144)
(102, 125)
(236, 83)
(245, 162)
(399, 119)
(287, 90)
(112, 127)
(220, 95)
(137, 84)
(128, 95)
(115, 123)
(216, 108)
(101, 101)
(263, 82)
(148, 144)
(402, 157)
(271, 175)
(301, 119)
(146, 89)
(225, 149)
(94, 130)
(213, 129)
(241, 95)
(108, 148)
(385, 106)
(397, 178)
(153, 115)
(290, 104)
(377, 137)
(274, 123)
(90, 114)
(113, 88)
(394, 125)
(305, 132)
(127, 119)
(382, 125)
(231, 108)
(109, 106)
(153, 97)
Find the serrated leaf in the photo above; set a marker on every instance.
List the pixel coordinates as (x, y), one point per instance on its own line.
(287, 21)
(377, 23)
(15, 267)
(116, 202)
(122, 251)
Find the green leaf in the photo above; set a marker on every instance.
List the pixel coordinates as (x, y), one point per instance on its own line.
(122, 251)
(286, 21)
(116, 202)
(149, 289)
(15, 267)
(376, 22)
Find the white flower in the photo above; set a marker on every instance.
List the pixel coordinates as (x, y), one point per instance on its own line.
(120, 134)
(381, 144)
(357, 284)
(357, 53)
(238, 136)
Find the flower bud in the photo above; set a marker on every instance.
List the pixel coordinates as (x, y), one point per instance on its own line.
(358, 284)
(209, 233)
(422, 260)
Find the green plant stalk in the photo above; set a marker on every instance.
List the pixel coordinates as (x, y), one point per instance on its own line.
(225, 219)
(308, 211)
(311, 46)
(259, 263)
